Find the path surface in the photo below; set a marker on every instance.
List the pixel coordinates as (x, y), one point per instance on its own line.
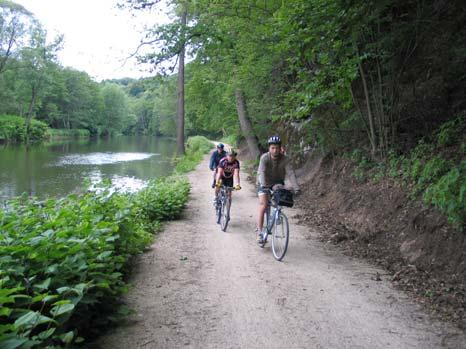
(201, 288)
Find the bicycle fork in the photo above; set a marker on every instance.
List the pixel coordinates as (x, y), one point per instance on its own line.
(273, 217)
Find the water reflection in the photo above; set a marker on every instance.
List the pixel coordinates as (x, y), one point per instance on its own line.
(62, 167)
(100, 158)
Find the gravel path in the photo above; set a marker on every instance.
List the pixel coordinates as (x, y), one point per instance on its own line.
(201, 288)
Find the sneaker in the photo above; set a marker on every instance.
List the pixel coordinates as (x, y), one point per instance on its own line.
(259, 237)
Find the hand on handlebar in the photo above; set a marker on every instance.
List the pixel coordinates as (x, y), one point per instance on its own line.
(237, 187)
(218, 184)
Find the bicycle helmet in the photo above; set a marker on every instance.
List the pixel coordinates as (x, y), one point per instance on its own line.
(220, 145)
(232, 152)
(274, 140)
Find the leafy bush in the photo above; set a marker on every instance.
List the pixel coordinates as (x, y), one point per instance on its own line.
(62, 261)
(452, 131)
(449, 194)
(163, 199)
(13, 129)
(196, 147)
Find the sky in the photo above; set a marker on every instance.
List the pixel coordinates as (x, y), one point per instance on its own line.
(98, 37)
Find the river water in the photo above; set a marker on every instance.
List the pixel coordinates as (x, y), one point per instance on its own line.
(61, 167)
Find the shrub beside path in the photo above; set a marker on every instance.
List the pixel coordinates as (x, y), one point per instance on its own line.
(198, 287)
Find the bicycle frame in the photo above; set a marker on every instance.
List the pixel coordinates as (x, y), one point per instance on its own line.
(223, 206)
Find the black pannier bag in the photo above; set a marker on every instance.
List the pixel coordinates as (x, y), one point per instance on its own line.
(283, 197)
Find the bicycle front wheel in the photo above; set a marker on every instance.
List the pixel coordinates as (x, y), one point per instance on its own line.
(225, 216)
(218, 211)
(280, 236)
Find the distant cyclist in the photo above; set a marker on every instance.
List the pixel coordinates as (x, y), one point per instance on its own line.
(274, 166)
(228, 172)
(215, 158)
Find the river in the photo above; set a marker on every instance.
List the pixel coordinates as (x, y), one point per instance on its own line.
(61, 167)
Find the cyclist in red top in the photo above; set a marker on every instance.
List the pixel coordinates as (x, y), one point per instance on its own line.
(228, 172)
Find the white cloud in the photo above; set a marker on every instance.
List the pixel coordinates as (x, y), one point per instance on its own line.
(98, 36)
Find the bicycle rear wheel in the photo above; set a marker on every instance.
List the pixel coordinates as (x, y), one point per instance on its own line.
(280, 236)
(225, 215)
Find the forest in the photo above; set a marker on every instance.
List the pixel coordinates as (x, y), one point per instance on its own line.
(336, 74)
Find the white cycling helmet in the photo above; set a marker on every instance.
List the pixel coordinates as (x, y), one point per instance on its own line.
(274, 140)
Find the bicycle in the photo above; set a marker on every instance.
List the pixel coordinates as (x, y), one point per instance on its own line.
(277, 222)
(222, 206)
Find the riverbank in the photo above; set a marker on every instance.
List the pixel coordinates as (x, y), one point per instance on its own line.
(65, 261)
(55, 134)
(196, 286)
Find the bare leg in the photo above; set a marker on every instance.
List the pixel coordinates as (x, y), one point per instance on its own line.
(263, 202)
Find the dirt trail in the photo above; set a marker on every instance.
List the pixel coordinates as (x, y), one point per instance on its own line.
(201, 288)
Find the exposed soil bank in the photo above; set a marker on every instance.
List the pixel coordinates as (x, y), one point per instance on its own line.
(377, 221)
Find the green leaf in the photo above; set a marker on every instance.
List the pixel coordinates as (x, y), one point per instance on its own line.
(104, 255)
(67, 338)
(4, 311)
(32, 319)
(43, 285)
(13, 343)
(46, 334)
(61, 309)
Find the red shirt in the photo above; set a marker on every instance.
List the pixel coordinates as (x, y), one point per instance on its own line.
(228, 167)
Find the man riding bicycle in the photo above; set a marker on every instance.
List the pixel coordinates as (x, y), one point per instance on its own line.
(228, 172)
(215, 158)
(274, 166)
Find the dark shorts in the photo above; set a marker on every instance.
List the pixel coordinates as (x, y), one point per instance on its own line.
(261, 190)
(227, 182)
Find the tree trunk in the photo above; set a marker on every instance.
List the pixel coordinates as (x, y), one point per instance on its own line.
(180, 110)
(245, 123)
(30, 111)
(370, 116)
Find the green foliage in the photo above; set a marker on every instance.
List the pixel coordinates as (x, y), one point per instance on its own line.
(231, 140)
(163, 199)
(13, 129)
(73, 133)
(452, 132)
(448, 193)
(62, 261)
(436, 170)
(196, 148)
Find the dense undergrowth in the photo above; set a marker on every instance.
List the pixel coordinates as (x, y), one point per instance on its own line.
(13, 129)
(63, 261)
(434, 169)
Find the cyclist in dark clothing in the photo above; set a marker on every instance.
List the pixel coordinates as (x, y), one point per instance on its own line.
(215, 158)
